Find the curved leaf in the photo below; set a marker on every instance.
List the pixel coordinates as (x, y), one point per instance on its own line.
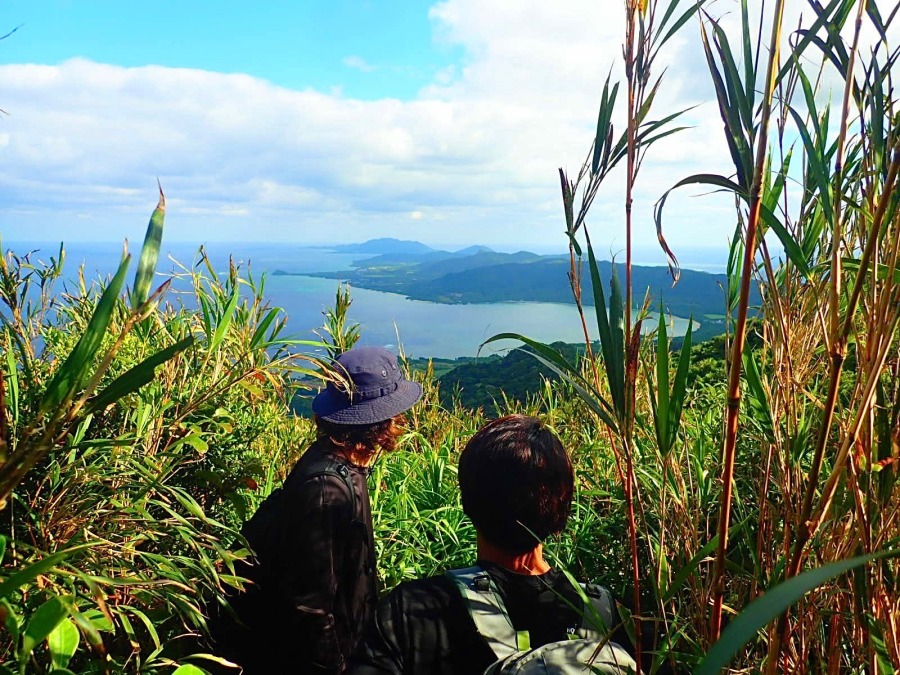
(763, 610)
(136, 377)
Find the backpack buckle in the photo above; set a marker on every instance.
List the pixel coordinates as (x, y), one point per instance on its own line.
(482, 583)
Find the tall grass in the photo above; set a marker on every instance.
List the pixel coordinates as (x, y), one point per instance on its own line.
(799, 471)
(136, 436)
(753, 495)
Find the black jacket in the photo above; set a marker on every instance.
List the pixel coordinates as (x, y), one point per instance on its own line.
(315, 582)
(424, 627)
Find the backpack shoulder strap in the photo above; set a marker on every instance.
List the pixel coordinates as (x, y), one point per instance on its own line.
(599, 609)
(329, 466)
(487, 611)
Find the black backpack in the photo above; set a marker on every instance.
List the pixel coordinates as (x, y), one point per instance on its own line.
(261, 530)
(253, 613)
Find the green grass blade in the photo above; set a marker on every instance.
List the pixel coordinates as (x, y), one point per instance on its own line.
(559, 365)
(76, 369)
(615, 370)
(224, 320)
(661, 411)
(683, 19)
(607, 105)
(259, 335)
(792, 248)
(823, 18)
(149, 253)
(679, 386)
(749, 62)
(816, 168)
(731, 117)
(136, 377)
(605, 331)
(776, 601)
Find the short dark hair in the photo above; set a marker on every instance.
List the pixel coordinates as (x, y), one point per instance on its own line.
(516, 482)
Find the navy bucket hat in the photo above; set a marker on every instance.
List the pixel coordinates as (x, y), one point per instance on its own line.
(378, 389)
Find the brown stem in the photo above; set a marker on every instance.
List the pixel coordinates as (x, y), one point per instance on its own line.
(630, 133)
(734, 377)
(635, 562)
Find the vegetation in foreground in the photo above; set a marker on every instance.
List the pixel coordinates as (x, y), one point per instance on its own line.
(136, 435)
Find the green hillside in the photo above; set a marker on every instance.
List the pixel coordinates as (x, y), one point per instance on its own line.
(488, 276)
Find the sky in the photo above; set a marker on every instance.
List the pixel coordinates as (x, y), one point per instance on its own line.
(337, 121)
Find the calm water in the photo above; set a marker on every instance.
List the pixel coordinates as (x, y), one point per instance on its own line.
(423, 328)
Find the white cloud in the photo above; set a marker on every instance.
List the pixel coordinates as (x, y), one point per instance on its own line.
(358, 63)
(477, 150)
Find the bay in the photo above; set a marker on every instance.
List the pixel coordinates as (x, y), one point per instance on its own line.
(419, 328)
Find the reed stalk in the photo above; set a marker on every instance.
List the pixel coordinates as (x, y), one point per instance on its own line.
(733, 401)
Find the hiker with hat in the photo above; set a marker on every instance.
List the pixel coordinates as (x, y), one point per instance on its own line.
(511, 612)
(314, 585)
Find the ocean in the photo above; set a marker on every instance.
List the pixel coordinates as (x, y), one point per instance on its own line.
(419, 328)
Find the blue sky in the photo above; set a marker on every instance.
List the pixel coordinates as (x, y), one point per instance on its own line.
(318, 122)
(328, 46)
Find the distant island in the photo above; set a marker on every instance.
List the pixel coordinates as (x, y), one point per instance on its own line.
(478, 274)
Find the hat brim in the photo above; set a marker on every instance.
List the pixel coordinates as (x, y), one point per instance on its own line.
(334, 406)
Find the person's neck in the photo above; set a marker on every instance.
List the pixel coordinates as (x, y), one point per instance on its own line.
(531, 562)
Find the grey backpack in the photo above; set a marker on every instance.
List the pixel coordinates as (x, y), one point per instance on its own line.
(586, 650)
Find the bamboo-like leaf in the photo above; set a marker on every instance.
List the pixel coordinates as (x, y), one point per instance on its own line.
(615, 371)
(607, 105)
(679, 386)
(608, 343)
(87, 627)
(738, 144)
(683, 19)
(259, 335)
(224, 320)
(776, 601)
(149, 253)
(880, 270)
(792, 248)
(136, 377)
(568, 204)
(558, 364)
(816, 168)
(740, 106)
(63, 643)
(749, 61)
(76, 369)
(44, 620)
(23, 576)
(823, 16)
(206, 315)
(700, 178)
(875, 18)
(661, 412)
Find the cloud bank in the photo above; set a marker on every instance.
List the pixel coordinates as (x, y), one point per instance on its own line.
(472, 159)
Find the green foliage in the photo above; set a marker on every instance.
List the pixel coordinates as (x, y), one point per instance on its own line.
(153, 431)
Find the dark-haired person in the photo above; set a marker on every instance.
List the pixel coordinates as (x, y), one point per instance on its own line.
(315, 586)
(516, 483)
